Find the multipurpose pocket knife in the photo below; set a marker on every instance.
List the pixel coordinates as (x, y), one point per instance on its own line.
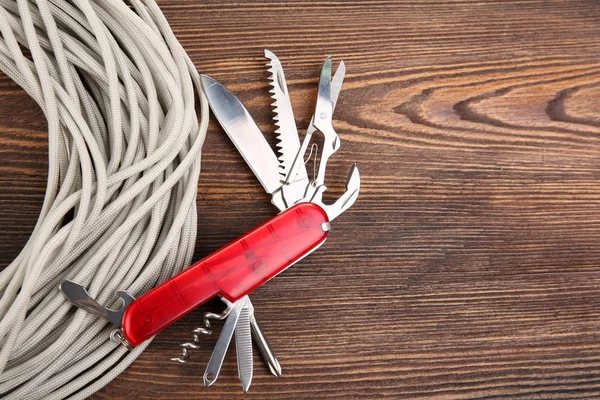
(238, 268)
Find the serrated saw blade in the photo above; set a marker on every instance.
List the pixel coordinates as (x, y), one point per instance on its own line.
(288, 142)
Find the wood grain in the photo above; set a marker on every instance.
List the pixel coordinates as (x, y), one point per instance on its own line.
(470, 265)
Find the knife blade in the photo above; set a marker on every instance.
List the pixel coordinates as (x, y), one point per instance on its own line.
(287, 132)
(244, 133)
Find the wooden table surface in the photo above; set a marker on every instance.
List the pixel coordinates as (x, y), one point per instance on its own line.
(469, 267)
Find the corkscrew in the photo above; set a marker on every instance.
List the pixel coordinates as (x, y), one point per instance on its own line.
(232, 313)
(202, 330)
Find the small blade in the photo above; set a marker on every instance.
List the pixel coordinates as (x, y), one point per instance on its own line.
(287, 132)
(244, 133)
(243, 346)
(218, 355)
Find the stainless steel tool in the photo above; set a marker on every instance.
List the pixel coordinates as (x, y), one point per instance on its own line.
(218, 356)
(243, 347)
(241, 322)
(238, 268)
(284, 176)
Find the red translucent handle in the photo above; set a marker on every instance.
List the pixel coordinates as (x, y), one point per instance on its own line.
(232, 271)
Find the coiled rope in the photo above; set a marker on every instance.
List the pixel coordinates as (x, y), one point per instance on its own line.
(124, 145)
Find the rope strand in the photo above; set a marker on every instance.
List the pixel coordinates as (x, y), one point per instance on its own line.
(124, 143)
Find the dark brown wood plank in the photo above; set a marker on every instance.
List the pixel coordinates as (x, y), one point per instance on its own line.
(468, 268)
